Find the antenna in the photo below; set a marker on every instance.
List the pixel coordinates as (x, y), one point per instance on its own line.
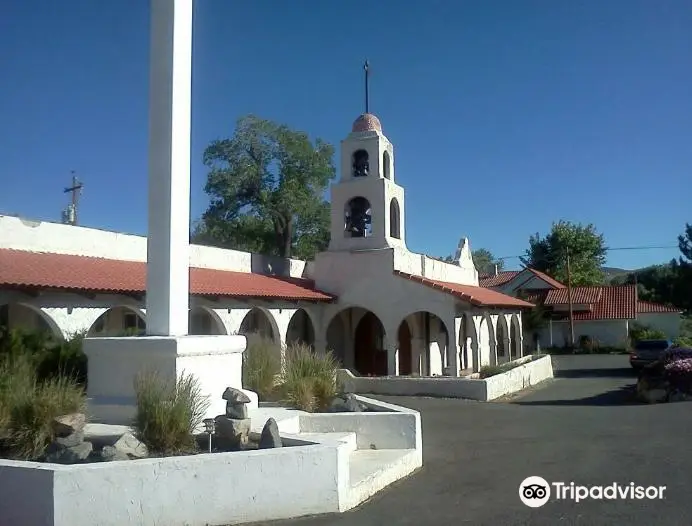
(69, 215)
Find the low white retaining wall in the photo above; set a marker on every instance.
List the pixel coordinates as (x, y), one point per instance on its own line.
(221, 488)
(216, 488)
(531, 372)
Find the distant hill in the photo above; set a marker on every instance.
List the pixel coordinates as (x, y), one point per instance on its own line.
(615, 272)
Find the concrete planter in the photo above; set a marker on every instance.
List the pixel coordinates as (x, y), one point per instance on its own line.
(330, 468)
(530, 372)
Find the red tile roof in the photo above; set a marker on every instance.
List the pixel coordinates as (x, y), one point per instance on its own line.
(479, 296)
(580, 296)
(497, 280)
(617, 302)
(611, 302)
(648, 307)
(19, 268)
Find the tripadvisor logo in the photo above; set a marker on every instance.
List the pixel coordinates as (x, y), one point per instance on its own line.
(536, 491)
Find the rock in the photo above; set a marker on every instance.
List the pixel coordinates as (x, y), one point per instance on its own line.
(233, 432)
(65, 425)
(235, 395)
(651, 392)
(110, 453)
(132, 447)
(347, 404)
(270, 435)
(68, 455)
(70, 440)
(236, 410)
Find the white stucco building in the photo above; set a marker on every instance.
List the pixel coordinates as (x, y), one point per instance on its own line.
(381, 308)
(603, 313)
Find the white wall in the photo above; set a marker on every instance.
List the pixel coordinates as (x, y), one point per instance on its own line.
(422, 265)
(612, 333)
(41, 236)
(668, 322)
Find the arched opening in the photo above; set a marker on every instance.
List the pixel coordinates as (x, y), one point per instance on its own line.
(336, 338)
(300, 329)
(370, 356)
(394, 219)
(468, 345)
(486, 343)
(502, 339)
(118, 321)
(516, 349)
(386, 165)
(430, 356)
(258, 324)
(358, 218)
(27, 318)
(205, 321)
(405, 353)
(361, 163)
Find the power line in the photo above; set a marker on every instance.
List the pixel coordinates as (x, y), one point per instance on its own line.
(658, 247)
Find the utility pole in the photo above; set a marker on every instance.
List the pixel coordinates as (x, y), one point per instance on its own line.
(569, 299)
(70, 214)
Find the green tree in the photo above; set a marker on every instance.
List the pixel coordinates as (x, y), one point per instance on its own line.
(266, 187)
(586, 248)
(486, 262)
(683, 270)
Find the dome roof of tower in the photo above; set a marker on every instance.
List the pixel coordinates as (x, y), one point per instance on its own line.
(366, 122)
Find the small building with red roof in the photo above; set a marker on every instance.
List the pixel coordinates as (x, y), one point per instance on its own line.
(381, 308)
(604, 313)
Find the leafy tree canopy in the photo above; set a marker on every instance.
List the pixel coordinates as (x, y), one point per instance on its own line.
(483, 259)
(586, 248)
(266, 187)
(670, 283)
(486, 262)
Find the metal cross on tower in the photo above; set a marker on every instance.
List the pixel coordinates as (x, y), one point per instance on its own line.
(70, 215)
(366, 68)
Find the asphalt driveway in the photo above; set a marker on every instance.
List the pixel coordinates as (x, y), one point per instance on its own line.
(583, 427)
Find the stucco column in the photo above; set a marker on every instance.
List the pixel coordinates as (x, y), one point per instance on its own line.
(475, 356)
(390, 346)
(418, 352)
(452, 350)
(170, 86)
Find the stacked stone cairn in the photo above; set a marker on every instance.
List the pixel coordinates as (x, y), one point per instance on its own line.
(232, 431)
(233, 428)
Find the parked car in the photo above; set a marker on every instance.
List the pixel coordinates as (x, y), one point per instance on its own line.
(648, 351)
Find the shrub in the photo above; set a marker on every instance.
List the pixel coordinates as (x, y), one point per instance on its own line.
(308, 378)
(51, 356)
(28, 406)
(682, 341)
(639, 332)
(679, 374)
(168, 413)
(491, 370)
(261, 366)
(588, 345)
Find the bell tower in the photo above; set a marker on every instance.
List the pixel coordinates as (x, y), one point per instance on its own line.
(367, 206)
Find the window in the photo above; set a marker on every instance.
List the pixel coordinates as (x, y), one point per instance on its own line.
(361, 164)
(394, 219)
(358, 218)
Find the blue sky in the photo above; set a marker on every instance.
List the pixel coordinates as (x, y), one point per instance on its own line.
(505, 115)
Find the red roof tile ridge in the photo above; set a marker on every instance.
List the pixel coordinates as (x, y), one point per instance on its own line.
(454, 289)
